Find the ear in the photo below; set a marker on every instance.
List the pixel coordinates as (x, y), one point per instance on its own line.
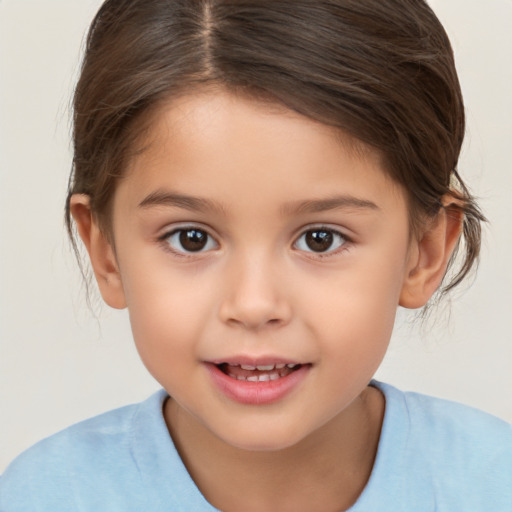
(101, 252)
(430, 254)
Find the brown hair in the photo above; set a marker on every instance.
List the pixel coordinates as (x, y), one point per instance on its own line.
(381, 70)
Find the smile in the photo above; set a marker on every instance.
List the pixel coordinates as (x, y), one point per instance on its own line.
(259, 383)
(259, 373)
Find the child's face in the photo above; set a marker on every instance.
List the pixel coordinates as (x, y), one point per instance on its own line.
(251, 235)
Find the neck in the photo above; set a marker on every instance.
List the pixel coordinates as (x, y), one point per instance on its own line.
(326, 471)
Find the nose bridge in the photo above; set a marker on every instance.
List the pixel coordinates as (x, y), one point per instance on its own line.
(254, 295)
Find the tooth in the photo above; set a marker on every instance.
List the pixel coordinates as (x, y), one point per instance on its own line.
(264, 377)
(233, 364)
(241, 377)
(274, 376)
(291, 365)
(247, 367)
(265, 368)
(280, 366)
(253, 378)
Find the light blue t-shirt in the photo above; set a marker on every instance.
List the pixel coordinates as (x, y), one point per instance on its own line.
(433, 455)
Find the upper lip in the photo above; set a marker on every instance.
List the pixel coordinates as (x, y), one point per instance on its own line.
(254, 361)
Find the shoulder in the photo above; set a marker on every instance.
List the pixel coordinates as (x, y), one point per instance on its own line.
(452, 451)
(441, 419)
(68, 465)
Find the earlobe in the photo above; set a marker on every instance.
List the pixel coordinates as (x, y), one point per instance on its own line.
(429, 256)
(100, 250)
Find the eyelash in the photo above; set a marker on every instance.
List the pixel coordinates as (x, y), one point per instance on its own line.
(166, 239)
(343, 241)
(336, 237)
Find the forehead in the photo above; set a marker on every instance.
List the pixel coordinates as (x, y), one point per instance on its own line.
(214, 107)
(216, 137)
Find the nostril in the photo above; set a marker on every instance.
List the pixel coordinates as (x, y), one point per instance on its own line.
(256, 324)
(254, 310)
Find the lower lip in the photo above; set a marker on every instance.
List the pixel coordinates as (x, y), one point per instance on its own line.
(256, 393)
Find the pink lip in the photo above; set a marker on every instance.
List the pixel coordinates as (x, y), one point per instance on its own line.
(256, 393)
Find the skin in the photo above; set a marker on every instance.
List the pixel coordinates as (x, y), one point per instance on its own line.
(258, 290)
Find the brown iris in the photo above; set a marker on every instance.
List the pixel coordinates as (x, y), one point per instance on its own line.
(193, 240)
(319, 241)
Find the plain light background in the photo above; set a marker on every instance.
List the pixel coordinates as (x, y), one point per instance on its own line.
(59, 364)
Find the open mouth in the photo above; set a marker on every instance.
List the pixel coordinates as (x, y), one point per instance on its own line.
(260, 373)
(256, 382)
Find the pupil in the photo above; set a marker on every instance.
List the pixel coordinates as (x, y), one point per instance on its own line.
(319, 241)
(193, 240)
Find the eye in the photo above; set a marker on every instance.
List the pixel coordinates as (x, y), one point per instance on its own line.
(190, 240)
(320, 240)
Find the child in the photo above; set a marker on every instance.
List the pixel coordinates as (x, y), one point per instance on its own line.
(262, 184)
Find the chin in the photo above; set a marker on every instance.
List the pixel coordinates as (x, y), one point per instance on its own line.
(265, 440)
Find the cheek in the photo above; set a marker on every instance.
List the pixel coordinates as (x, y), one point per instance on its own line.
(168, 313)
(356, 308)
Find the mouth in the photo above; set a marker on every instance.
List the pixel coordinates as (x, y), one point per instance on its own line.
(258, 373)
(257, 382)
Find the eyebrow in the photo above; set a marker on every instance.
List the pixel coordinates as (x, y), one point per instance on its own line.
(164, 198)
(345, 202)
(192, 203)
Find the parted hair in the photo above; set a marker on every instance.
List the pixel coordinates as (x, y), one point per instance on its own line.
(382, 71)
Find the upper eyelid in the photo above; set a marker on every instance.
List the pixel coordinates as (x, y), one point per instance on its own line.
(322, 228)
(168, 230)
(327, 227)
(163, 240)
(348, 241)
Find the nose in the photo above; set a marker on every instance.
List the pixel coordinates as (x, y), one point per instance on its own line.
(254, 296)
